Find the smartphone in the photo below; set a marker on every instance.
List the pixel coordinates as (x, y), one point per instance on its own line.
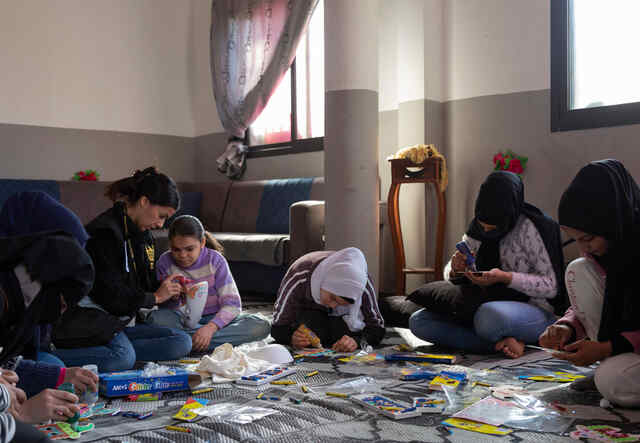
(474, 273)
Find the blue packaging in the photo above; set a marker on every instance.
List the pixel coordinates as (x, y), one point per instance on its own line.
(120, 384)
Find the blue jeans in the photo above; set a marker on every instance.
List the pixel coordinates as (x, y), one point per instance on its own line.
(141, 342)
(51, 359)
(244, 328)
(492, 322)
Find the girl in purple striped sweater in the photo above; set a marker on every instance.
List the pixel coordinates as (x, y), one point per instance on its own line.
(195, 254)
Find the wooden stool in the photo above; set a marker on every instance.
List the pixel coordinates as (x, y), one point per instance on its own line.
(429, 173)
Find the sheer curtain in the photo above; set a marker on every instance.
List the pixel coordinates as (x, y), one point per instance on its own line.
(253, 43)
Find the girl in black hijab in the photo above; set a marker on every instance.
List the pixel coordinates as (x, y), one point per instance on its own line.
(601, 210)
(519, 250)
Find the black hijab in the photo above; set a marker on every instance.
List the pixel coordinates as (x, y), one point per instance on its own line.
(604, 200)
(500, 202)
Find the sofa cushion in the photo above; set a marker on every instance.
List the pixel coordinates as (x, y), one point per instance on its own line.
(8, 187)
(277, 198)
(263, 205)
(267, 249)
(190, 202)
(213, 202)
(85, 198)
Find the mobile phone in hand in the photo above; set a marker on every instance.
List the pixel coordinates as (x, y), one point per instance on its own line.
(474, 273)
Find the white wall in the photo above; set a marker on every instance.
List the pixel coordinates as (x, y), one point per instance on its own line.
(496, 47)
(114, 65)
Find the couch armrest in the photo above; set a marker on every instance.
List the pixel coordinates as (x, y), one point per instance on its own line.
(306, 228)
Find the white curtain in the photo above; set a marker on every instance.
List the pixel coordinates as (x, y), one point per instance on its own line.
(253, 43)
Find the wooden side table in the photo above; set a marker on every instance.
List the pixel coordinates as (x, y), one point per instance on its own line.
(429, 172)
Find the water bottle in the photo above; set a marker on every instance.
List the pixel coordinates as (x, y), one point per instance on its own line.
(90, 397)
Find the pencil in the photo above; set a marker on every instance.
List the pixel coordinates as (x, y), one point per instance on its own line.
(177, 428)
(311, 374)
(337, 394)
(202, 391)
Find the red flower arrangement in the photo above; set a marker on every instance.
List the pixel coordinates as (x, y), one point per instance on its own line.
(89, 175)
(510, 161)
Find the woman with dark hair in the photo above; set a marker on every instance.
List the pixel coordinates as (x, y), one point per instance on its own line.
(519, 250)
(197, 256)
(601, 210)
(106, 328)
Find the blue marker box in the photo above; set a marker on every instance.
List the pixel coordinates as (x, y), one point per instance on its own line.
(120, 384)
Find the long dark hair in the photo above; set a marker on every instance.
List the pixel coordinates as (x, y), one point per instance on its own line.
(190, 226)
(159, 188)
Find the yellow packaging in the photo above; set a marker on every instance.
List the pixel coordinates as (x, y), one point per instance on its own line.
(475, 426)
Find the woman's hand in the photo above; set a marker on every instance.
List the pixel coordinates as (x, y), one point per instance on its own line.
(168, 289)
(345, 344)
(299, 339)
(82, 379)
(555, 336)
(585, 352)
(202, 336)
(489, 278)
(50, 404)
(458, 262)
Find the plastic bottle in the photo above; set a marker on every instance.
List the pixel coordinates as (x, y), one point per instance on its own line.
(90, 397)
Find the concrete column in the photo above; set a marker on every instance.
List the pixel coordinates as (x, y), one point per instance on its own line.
(351, 128)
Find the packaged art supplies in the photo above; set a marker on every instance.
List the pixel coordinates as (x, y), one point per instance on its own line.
(120, 384)
(440, 380)
(491, 411)
(431, 404)
(145, 397)
(266, 376)
(603, 433)
(422, 358)
(186, 412)
(391, 408)
(63, 431)
(417, 374)
(476, 427)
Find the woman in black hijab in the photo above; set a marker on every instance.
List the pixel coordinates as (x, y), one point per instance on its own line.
(601, 210)
(519, 250)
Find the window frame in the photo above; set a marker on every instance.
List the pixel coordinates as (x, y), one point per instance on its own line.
(563, 118)
(294, 146)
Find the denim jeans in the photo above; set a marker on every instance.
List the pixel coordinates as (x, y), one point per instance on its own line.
(244, 328)
(46, 357)
(492, 322)
(141, 342)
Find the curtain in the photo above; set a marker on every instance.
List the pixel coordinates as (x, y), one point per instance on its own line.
(253, 43)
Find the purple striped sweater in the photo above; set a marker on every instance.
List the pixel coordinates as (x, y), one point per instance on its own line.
(212, 267)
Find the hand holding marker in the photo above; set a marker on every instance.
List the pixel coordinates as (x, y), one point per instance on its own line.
(470, 260)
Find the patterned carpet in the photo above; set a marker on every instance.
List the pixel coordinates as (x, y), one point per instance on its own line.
(320, 418)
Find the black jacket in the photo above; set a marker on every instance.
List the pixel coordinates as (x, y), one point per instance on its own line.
(125, 280)
(62, 267)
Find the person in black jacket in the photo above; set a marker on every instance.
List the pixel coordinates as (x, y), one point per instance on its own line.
(106, 328)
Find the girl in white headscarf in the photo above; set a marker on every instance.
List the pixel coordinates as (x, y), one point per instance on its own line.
(331, 294)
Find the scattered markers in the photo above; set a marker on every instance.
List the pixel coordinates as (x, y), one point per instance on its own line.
(177, 428)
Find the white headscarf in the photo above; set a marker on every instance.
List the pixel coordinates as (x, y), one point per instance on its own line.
(343, 273)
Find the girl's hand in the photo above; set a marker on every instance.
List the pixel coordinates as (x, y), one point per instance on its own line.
(489, 278)
(458, 262)
(50, 404)
(168, 289)
(345, 344)
(8, 378)
(202, 336)
(18, 397)
(585, 352)
(555, 336)
(82, 379)
(299, 339)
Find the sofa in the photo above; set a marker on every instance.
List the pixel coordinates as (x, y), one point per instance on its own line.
(263, 225)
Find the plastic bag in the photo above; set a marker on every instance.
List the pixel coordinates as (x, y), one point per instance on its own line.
(358, 385)
(232, 413)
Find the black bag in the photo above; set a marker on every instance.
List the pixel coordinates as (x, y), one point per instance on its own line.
(460, 302)
(86, 327)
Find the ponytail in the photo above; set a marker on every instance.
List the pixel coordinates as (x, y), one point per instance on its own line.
(159, 188)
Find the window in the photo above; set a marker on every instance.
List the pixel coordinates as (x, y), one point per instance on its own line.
(279, 130)
(595, 72)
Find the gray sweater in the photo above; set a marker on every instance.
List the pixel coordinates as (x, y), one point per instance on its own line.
(7, 423)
